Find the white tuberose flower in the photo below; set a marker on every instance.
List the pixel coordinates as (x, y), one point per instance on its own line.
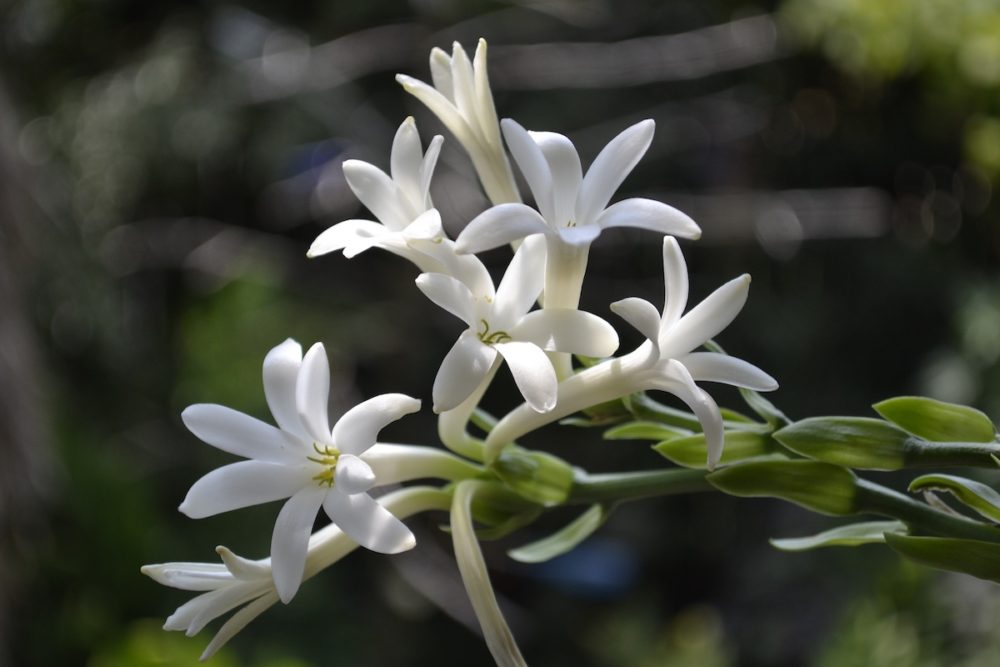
(236, 582)
(500, 324)
(462, 101)
(302, 460)
(572, 208)
(398, 202)
(666, 361)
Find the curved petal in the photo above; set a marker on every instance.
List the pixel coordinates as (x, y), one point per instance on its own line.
(440, 106)
(441, 72)
(486, 112)
(520, 286)
(377, 192)
(715, 367)
(426, 227)
(649, 214)
(682, 385)
(468, 269)
(533, 373)
(405, 163)
(567, 330)
(450, 294)
(368, 523)
(641, 314)
(462, 87)
(675, 283)
(281, 370)
(534, 166)
(463, 368)
(237, 622)
(610, 168)
(240, 434)
(290, 539)
(312, 394)
(565, 171)
(427, 169)
(499, 225)
(344, 234)
(706, 319)
(357, 430)
(242, 484)
(189, 576)
(353, 475)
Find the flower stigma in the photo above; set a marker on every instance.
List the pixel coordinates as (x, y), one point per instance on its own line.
(327, 458)
(491, 337)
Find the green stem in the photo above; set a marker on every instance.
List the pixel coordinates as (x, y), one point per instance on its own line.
(618, 487)
(937, 454)
(876, 499)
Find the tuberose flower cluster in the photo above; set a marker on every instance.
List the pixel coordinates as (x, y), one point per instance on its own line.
(529, 322)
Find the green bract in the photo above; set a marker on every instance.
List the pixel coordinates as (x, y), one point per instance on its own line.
(937, 421)
(535, 476)
(980, 559)
(851, 535)
(740, 445)
(820, 487)
(850, 441)
(565, 539)
(976, 495)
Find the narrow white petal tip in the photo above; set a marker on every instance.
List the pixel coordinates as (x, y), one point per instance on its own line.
(407, 544)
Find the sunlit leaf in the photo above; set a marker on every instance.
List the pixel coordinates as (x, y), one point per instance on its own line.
(851, 535)
(937, 421)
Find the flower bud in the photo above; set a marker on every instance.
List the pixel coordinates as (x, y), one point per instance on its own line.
(820, 487)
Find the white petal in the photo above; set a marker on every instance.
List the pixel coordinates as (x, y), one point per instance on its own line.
(675, 283)
(641, 314)
(241, 485)
(377, 192)
(244, 568)
(468, 269)
(534, 166)
(715, 367)
(461, 76)
(649, 214)
(196, 613)
(353, 475)
(344, 234)
(706, 319)
(499, 225)
(450, 294)
(567, 330)
(441, 72)
(405, 161)
(368, 523)
(580, 235)
(357, 430)
(427, 169)
(312, 394)
(189, 576)
(610, 168)
(290, 539)
(237, 622)
(486, 112)
(521, 285)
(281, 370)
(533, 373)
(240, 434)
(426, 226)
(704, 407)
(463, 368)
(566, 173)
(440, 106)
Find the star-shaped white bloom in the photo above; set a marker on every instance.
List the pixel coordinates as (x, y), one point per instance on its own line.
(500, 324)
(462, 101)
(666, 361)
(572, 207)
(236, 582)
(302, 460)
(398, 201)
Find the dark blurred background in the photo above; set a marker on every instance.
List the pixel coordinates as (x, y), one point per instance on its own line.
(165, 165)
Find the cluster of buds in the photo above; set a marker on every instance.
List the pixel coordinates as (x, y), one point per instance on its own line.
(530, 321)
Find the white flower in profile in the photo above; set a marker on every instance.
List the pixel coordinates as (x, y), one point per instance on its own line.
(236, 582)
(572, 207)
(398, 201)
(666, 361)
(501, 326)
(462, 101)
(302, 460)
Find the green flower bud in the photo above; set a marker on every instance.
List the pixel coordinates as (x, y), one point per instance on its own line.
(937, 421)
(820, 487)
(535, 476)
